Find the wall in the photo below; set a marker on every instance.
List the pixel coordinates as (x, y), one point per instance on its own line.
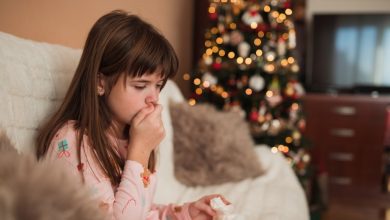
(67, 22)
(347, 6)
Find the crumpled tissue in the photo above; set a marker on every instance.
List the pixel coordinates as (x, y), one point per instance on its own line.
(224, 212)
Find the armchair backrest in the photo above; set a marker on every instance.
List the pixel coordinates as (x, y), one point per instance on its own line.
(34, 77)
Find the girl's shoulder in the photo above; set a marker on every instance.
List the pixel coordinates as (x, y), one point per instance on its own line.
(64, 143)
(67, 133)
(67, 129)
(63, 148)
(77, 155)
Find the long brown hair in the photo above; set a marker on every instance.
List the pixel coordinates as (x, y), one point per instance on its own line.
(118, 43)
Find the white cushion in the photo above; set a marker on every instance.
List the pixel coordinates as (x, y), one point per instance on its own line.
(165, 168)
(34, 79)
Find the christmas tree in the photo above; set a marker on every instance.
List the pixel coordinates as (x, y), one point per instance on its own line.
(249, 65)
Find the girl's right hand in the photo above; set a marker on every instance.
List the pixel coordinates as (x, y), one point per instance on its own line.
(202, 210)
(146, 133)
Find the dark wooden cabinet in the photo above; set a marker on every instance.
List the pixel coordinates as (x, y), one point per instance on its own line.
(347, 133)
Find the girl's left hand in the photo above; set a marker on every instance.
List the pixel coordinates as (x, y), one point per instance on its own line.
(201, 209)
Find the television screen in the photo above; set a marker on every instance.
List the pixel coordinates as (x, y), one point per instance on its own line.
(349, 52)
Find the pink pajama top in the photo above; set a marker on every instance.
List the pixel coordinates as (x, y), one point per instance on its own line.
(131, 200)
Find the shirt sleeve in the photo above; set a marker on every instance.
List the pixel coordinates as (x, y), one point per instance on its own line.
(130, 200)
(171, 211)
(132, 187)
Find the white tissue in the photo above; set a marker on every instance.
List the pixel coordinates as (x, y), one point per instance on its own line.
(224, 212)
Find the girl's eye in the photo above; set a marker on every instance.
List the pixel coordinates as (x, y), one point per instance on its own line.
(140, 87)
(159, 86)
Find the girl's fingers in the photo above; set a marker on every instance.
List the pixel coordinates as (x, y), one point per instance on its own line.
(157, 110)
(156, 115)
(141, 115)
(212, 196)
(200, 205)
(225, 200)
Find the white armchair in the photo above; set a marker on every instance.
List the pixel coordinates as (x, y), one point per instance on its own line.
(34, 77)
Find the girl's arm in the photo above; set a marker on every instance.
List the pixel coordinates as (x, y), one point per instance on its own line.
(131, 179)
(146, 132)
(130, 200)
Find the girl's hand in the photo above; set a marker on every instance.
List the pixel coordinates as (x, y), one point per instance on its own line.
(146, 133)
(201, 209)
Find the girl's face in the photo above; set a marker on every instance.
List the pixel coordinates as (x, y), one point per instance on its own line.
(126, 99)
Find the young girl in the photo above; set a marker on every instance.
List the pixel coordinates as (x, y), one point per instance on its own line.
(109, 124)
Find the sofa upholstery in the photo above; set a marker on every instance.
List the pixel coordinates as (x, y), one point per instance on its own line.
(34, 77)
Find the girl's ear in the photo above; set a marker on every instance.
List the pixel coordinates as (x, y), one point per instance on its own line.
(100, 84)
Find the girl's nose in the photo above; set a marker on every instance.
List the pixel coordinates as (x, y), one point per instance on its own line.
(149, 100)
(152, 98)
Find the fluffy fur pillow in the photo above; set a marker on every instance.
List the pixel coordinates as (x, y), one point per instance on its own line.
(211, 147)
(37, 191)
